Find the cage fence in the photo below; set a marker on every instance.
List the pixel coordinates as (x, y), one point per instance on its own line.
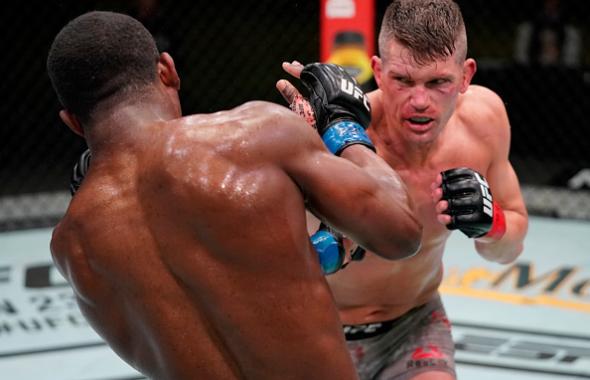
(231, 52)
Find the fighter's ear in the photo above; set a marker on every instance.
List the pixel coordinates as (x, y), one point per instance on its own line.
(469, 69)
(167, 71)
(376, 65)
(72, 122)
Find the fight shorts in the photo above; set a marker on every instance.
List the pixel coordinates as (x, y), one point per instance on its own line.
(418, 341)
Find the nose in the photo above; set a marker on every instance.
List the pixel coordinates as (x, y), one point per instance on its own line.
(419, 98)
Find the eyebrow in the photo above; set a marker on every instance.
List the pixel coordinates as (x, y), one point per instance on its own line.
(396, 74)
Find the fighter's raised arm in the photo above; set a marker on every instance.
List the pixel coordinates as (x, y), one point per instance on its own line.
(362, 196)
(448, 141)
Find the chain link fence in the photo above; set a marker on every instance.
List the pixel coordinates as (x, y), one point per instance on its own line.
(230, 52)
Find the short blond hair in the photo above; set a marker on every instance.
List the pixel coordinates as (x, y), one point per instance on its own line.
(429, 29)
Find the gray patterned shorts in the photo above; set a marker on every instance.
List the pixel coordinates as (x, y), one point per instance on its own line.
(418, 341)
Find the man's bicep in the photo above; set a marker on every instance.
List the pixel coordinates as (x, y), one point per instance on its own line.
(502, 177)
(505, 186)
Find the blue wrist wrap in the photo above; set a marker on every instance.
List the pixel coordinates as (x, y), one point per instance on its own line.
(344, 133)
(330, 252)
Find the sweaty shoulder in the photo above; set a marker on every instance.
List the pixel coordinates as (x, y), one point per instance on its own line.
(264, 117)
(483, 112)
(251, 132)
(279, 131)
(271, 117)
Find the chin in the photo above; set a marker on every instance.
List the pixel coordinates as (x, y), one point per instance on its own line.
(424, 138)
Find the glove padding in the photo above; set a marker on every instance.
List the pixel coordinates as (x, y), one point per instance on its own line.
(328, 244)
(341, 108)
(334, 95)
(80, 170)
(470, 201)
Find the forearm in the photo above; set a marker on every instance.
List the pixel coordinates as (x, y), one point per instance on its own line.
(386, 179)
(510, 246)
(370, 204)
(393, 231)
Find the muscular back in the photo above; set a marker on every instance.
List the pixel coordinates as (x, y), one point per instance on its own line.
(189, 255)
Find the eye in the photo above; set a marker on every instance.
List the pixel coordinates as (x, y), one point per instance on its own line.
(403, 80)
(438, 82)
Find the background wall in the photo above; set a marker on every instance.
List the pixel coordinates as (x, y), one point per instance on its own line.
(230, 52)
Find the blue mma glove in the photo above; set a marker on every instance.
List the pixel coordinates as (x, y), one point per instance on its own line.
(329, 247)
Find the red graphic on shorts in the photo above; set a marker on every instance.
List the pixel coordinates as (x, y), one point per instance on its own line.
(359, 353)
(439, 316)
(429, 352)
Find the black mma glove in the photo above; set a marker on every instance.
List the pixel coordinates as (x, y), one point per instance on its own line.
(341, 108)
(471, 205)
(79, 172)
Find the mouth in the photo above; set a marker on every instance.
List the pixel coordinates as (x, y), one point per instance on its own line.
(419, 123)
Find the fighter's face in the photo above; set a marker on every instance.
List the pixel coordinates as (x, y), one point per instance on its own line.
(419, 100)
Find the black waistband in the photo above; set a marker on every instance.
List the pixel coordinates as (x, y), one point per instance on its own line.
(369, 330)
(356, 332)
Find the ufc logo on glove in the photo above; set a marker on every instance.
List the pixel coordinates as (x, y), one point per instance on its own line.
(349, 88)
(485, 193)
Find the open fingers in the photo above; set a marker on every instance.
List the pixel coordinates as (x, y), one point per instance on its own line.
(294, 68)
(443, 219)
(287, 90)
(440, 204)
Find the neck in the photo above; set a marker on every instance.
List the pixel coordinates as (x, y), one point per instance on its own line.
(126, 123)
(395, 147)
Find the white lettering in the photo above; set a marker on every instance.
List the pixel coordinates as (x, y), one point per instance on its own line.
(485, 192)
(581, 179)
(340, 9)
(486, 195)
(487, 207)
(367, 329)
(347, 87)
(481, 180)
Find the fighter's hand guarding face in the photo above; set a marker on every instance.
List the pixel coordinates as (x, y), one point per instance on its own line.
(341, 110)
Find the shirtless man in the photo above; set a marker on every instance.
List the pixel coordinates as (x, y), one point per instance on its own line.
(186, 244)
(426, 120)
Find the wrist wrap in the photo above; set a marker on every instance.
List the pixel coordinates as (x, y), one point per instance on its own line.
(343, 133)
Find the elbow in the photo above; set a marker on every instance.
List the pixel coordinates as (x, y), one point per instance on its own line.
(511, 256)
(402, 243)
(411, 241)
(501, 255)
(412, 237)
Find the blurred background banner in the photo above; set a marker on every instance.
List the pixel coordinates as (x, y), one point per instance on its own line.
(534, 53)
(347, 35)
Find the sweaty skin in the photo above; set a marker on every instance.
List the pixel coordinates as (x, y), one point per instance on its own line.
(187, 247)
(394, 287)
(461, 125)
(468, 127)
